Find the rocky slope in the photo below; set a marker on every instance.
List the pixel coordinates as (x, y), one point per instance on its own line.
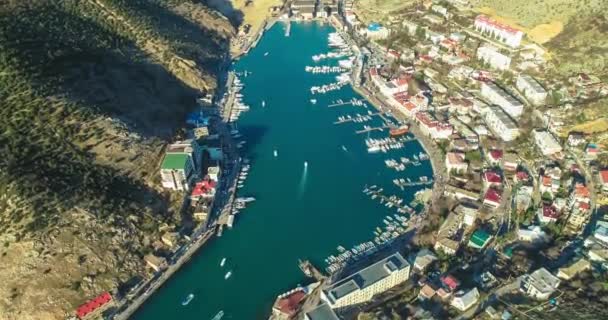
(91, 90)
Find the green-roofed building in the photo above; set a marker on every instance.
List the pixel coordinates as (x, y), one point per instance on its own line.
(479, 239)
(176, 170)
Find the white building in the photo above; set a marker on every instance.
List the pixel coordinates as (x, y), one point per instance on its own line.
(500, 123)
(531, 89)
(498, 31)
(492, 56)
(463, 301)
(497, 95)
(375, 31)
(546, 143)
(177, 169)
(361, 286)
(540, 284)
(532, 234)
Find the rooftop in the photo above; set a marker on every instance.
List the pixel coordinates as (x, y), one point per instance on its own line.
(93, 304)
(174, 161)
(502, 116)
(367, 276)
(321, 312)
(479, 239)
(543, 280)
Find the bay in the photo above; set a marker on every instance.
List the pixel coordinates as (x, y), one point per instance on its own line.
(300, 212)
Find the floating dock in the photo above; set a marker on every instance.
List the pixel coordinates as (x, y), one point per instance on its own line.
(372, 129)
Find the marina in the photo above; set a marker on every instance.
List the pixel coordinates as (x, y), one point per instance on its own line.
(302, 178)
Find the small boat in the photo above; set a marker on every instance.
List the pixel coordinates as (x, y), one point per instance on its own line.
(276, 153)
(218, 316)
(313, 101)
(399, 131)
(228, 274)
(344, 148)
(187, 299)
(263, 103)
(223, 262)
(305, 164)
(265, 54)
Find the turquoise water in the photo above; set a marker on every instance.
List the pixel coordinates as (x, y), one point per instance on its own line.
(299, 213)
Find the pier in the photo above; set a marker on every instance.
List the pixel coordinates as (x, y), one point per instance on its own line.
(310, 270)
(358, 118)
(345, 103)
(372, 129)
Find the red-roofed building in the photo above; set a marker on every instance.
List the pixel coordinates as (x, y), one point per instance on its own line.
(547, 214)
(521, 176)
(94, 307)
(451, 282)
(433, 128)
(491, 179)
(492, 198)
(287, 305)
(499, 31)
(495, 157)
(203, 189)
(580, 193)
(604, 179)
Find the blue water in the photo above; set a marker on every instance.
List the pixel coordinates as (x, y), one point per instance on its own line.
(300, 212)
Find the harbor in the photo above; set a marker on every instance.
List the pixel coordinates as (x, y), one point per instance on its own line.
(300, 176)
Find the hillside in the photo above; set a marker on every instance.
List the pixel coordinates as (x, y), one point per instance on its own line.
(573, 31)
(90, 93)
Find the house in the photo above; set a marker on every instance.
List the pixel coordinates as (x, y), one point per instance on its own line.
(463, 301)
(447, 246)
(94, 308)
(427, 292)
(492, 198)
(500, 123)
(444, 294)
(431, 127)
(499, 96)
(170, 239)
(603, 179)
(576, 139)
(532, 234)
(493, 57)
(455, 161)
(546, 142)
(591, 151)
(424, 258)
(479, 239)
(491, 178)
(468, 211)
(214, 173)
(450, 282)
(362, 285)
(572, 270)
(495, 157)
(547, 214)
(510, 162)
(540, 284)
(460, 193)
(321, 312)
(521, 177)
(499, 31)
(155, 262)
(531, 89)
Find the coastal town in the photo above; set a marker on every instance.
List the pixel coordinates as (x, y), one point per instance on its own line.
(514, 211)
